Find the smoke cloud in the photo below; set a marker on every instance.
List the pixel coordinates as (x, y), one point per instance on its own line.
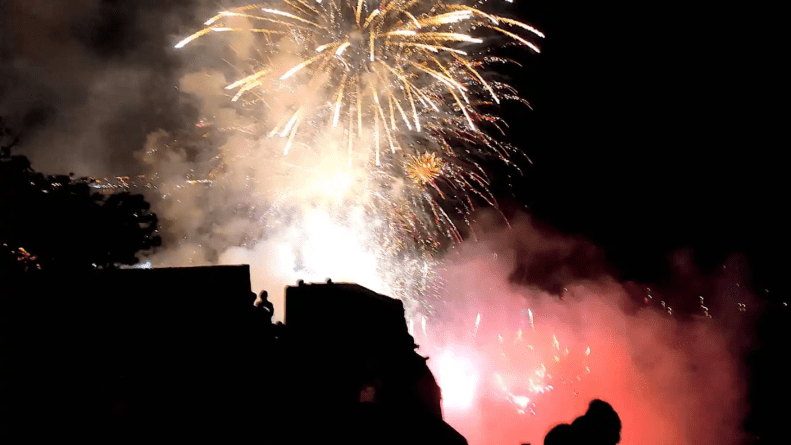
(498, 345)
(84, 81)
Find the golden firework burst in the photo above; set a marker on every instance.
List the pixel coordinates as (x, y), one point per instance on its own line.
(424, 168)
(399, 87)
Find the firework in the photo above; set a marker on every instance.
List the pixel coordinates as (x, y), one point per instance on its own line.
(397, 86)
(424, 169)
(515, 366)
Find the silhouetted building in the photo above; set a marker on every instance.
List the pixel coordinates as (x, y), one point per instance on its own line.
(129, 355)
(180, 355)
(350, 345)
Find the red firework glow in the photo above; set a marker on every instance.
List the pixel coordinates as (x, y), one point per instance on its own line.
(515, 361)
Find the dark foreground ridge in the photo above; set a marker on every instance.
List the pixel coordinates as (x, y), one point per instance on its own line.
(133, 356)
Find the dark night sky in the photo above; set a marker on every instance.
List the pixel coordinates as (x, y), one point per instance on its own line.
(659, 126)
(656, 125)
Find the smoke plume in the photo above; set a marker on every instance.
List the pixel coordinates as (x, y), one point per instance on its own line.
(499, 345)
(84, 81)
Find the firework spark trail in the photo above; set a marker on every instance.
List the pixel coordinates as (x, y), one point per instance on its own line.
(507, 366)
(408, 76)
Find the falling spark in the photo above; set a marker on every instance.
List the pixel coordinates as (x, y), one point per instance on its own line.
(530, 316)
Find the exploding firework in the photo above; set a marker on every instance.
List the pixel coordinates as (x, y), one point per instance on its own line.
(397, 87)
(516, 367)
(424, 169)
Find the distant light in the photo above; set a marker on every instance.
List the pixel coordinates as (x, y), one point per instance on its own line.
(145, 265)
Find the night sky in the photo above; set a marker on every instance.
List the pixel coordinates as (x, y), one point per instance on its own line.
(659, 126)
(655, 125)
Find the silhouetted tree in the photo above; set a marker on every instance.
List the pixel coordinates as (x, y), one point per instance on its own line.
(57, 222)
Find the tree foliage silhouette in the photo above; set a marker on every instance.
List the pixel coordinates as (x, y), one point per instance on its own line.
(55, 222)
